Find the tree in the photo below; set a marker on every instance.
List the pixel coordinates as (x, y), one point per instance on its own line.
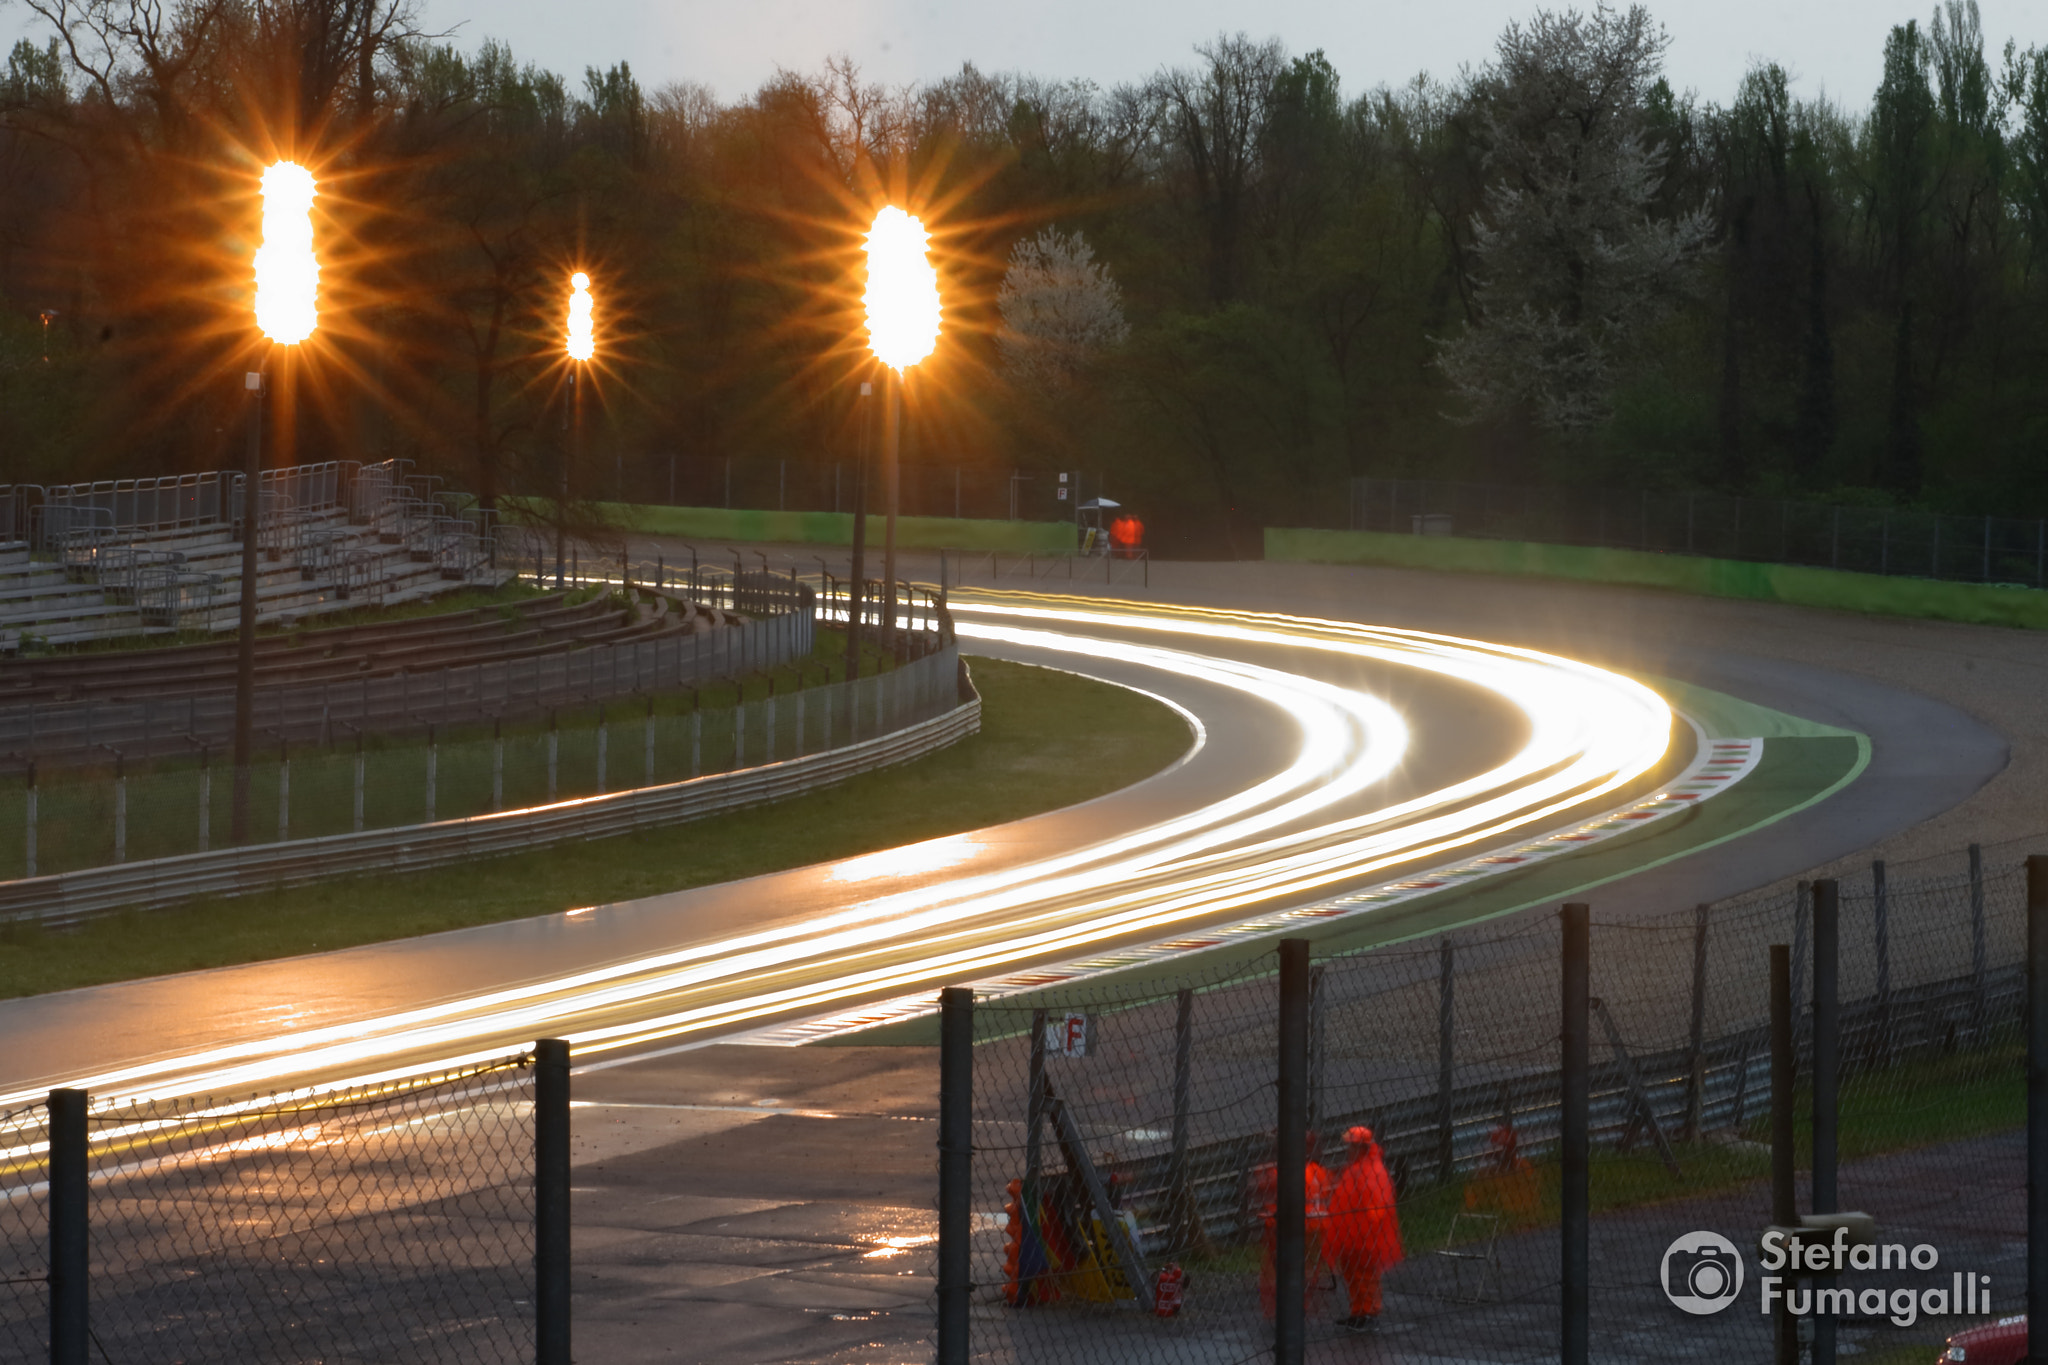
(1060, 307)
(1570, 266)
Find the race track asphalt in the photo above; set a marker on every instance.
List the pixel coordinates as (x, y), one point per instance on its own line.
(1925, 757)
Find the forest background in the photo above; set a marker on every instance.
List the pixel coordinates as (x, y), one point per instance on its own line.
(1222, 292)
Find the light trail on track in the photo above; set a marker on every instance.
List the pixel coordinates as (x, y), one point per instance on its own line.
(1309, 828)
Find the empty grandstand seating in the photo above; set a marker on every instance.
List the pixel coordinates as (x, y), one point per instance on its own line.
(159, 556)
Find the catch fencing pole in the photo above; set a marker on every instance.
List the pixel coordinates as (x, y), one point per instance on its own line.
(551, 1201)
(956, 1157)
(1574, 1336)
(1826, 1053)
(70, 1237)
(1784, 1077)
(1290, 1201)
(2037, 1103)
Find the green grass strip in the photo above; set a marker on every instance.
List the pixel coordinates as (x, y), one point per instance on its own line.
(1983, 604)
(1048, 739)
(836, 528)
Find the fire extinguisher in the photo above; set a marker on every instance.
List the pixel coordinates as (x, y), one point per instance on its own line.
(1168, 1291)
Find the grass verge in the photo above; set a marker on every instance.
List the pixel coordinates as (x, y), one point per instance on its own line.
(1986, 604)
(1048, 739)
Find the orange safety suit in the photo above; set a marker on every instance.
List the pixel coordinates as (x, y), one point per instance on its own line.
(1364, 1240)
(1316, 1184)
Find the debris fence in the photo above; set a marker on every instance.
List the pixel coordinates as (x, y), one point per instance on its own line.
(389, 1222)
(85, 818)
(1125, 1152)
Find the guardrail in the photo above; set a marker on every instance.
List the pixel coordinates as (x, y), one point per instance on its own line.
(314, 712)
(68, 898)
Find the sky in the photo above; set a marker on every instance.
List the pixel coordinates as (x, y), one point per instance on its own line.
(1828, 46)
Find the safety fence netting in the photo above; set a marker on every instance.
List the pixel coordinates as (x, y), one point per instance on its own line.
(1125, 1166)
(24, 1256)
(389, 1222)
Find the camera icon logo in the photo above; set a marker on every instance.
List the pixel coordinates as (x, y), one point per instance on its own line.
(1702, 1272)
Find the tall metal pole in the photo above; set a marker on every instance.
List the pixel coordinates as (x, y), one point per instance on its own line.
(245, 628)
(956, 1171)
(856, 589)
(1575, 1143)
(1290, 1201)
(70, 1236)
(551, 1201)
(2037, 1102)
(1826, 1060)
(1784, 1077)
(892, 439)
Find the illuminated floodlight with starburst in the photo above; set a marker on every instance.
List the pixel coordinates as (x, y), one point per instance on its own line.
(582, 327)
(903, 290)
(287, 271)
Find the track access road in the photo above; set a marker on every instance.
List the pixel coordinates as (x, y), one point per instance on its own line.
(1325, 757)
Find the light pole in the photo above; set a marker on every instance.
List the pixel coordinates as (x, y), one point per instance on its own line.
(581, 339)
(903, 326)
(287, 311)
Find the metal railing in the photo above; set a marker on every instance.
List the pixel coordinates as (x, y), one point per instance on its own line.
(314, 713)
(1880, 540)
(863, 725)
(173, 502)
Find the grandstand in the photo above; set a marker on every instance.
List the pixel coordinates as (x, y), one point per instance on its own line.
(142, 557)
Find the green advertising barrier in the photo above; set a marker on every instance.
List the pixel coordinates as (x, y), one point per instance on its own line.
(1973, 603)
(836, 528)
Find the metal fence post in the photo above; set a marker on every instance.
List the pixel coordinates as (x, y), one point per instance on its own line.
(433, 772)
(551, 1201)
(956, 1172)
(1575, 1135)
(497, 763)
(2037, 1101)
(1784, 1076)
(357, 804)
(29, 822)
(1826, 1074)
(1446, 1061)
(554, 751)
(1696, 1043)
(1978, 1002)
(604, 737)
(1290, 1202)
(205, 798)
(120, 809)
(70, 1234)
(1881, 937)
(1181, 1195)
(648, 779)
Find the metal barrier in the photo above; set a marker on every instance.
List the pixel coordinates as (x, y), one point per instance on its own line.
(55, 732)
(173, 502)
(931, 684)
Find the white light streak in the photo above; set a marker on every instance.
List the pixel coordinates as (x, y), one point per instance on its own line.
(1305, 831)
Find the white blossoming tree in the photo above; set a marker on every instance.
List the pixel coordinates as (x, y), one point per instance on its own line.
(1570, 263)
(1061, 310)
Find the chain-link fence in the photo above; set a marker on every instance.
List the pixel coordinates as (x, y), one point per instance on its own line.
(388, 1222)
(24, 1251)
(1879, 540)
(1125, 1160)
